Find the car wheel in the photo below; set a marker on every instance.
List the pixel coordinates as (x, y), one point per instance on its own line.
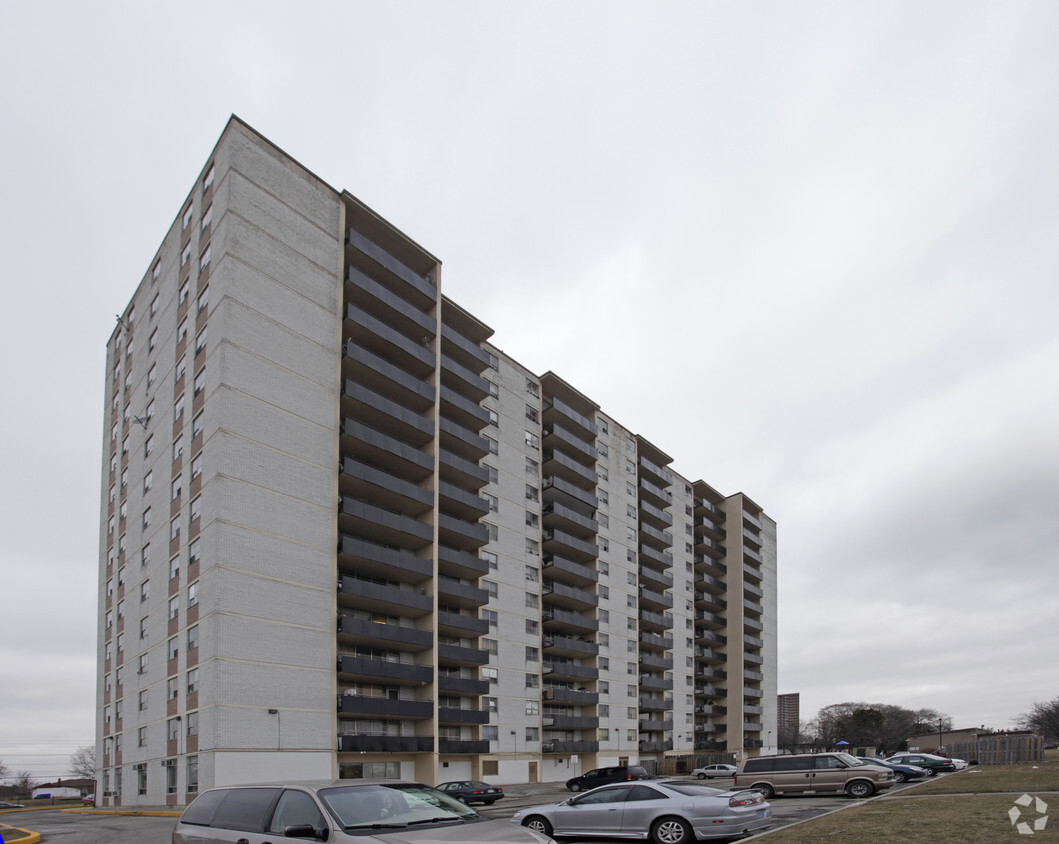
(931, 772)
(900, 776)
(702, 776)
(767, 791)
(538, 824)
(672, 830)
(860, 789)
(462, 799)
(574, 787)
(489, 802)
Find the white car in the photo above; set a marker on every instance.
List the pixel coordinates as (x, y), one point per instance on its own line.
(959, 763)
(711, 771)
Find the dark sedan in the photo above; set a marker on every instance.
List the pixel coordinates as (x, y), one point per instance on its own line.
(933, 764)
(472, 791)
(902, 773)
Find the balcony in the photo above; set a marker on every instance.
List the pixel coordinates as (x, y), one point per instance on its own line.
(755, 676)
(371, 670)
(462, 441)
(709, 547)
(462, 350)
(389, 307)
(569, 646)
(457, 563)
(647, 725)
(708, 565)
(402, 460)
(568, 597)
(710, 619)
(557, 515)
(711, 709)
(566, 545)
(556, 410)
(653, 515)
(461, 473)
(752, 608)
(649, 681)
(752, 538)
(752, 572)
(709, 656)
(570, 747)
(570, 722)
(748, 692)
(359, 631)
(753, 641)
(654, 493)
(462, 655)
(456, 533)
(568, 671)
(564, 621)
(657, 601)
(655, 642)
(753, 659)
(654, 472)
(446, 746)
(706, 583)
(655, 746)
(751, 727)
(383, 561)
(461, 504)
(656, 704)
(576, 697)
(406, 282)
(711, 672)
(752, 520)
(388, 343)
(457, 624)
(654, 622)
(655, 579)
(752, 590)
(454, 593)
(464, 412)
(458, 378)
(360, 481)
(567, 571)
(558, 464)
(385, 527)
(557, 437)
(658, 663)
(753, 624)
(389, 599)
(654, 537)
(713, 603)
(385, 378)
(378, 412)
(462, 685)
(452, 715)
(385, 744)
(751, 554)
(363, 705)
(557, 489)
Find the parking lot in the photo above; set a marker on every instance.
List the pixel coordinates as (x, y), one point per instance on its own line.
(77, 828)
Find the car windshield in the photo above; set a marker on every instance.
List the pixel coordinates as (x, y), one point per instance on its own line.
(392, 806)
(850, 759)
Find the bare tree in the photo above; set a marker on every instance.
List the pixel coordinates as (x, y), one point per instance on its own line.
(1043, 718)
(5, 771)
(24, 782)
(83, 762)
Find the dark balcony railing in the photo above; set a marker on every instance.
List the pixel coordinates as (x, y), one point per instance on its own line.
(568, 671)
(557, 620)
(570, 597)
(453, 561)
(385, 525)
(570, 747)
(462, 655)
(555, 436)
(554, 406)
(648, 725)
(375, 557)
(656, 579)
(462, 685)
(656, 704)
(385, 744)
(570, 722)
(656, 642)
(452, 715)
(399, 637)
(363, 593)
(362, 666)
(648, 660)
(569, 646)
(574, 696)
(397, 308)
(655, 600)
(463, 624)
(458, 533)
(397, 708)
(565, 517)
(655, 746)
(416, 288)
(382, 376)
(462, 746)
(561, 569)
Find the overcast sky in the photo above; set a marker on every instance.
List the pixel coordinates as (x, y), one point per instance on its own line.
(809, 249)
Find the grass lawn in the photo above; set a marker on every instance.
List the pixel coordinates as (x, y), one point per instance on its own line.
(965, 807)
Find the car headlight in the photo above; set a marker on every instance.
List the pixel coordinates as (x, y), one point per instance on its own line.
(517, 815)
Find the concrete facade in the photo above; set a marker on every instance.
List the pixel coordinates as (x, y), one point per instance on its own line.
(344, 534)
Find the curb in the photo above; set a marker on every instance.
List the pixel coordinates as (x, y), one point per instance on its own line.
(28, 836)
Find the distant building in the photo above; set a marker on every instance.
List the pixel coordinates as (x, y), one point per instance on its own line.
(342, 533)
(80, 787)
(787, 712)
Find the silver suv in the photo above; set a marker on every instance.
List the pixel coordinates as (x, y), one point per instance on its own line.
(360, 811)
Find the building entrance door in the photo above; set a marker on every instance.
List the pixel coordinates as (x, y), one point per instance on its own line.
(532, 771)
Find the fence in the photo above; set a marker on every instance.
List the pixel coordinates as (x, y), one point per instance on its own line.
(675, 766)
(999, 750)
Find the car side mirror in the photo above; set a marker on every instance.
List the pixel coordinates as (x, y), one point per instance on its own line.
(305, 830)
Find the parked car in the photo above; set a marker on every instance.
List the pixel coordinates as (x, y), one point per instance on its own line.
(933, 764)
(602, 776)
(88, 801)
(472, 791)
(959, 763)
(667, 812)
(353, 811)
(711, 771)
(902, 773)
(5, 805)
(812, 773)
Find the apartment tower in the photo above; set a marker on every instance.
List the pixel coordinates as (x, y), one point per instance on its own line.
(342, 534)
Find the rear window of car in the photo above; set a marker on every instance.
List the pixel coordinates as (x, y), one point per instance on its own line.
(201, 810)
(244, 808)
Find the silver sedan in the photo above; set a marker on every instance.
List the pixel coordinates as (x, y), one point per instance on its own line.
(666, 812)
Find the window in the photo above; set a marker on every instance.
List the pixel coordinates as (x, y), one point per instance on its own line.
(601, 470)
(145, 555)
(200, 382)
(204, 258)
(204, 299)
(532, 654)
(142, 667)
(533, 602)
(532, 707)
(188, 214)
(200, 342)
(604, 544)
(532, 681)
(602, 423)
(193, 723)
(148, 446)
(156, 270)
(185, 255)
(532, 493)
(532, 466)
(192, 774)
(174, 607)
(494, 390)
(196, 510)
(207, 180)
(182, 294)
(533, 547)
(603, 567)
(494, 362)
(193, 594)
(174, 489)
(198, 425)
(490, 646)
(602, 450)
(193, 681)
(532, 388)
(532, 734)
(174, 648)
(532, 519)
(492, 501)
(533, 441)
(152, 341)
(491, 531)
(181, 368)
(141, 738)
(182, 331)
(604, 616)
(148, 479)
(494, 446)
(532, 627)
(604, 520)
(147, 518)
(143, 627)
(178, 447)
(490, 587)
(125, 445)
(604, 592)
(489, 733)
(174, 529)
(532, 574)
(178, 408)
(491, 558)
(630, 601)
(489, 704)
(494, 419)
(532, 414)
(207, 216)
(491, 617)
(630, 691)
(604, 663)
(490, 674)
(145, 590)
(193, 637)
(630, 467)
(174, 568)
(196, 466)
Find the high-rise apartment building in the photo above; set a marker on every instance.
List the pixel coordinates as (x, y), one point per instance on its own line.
(344, 535)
